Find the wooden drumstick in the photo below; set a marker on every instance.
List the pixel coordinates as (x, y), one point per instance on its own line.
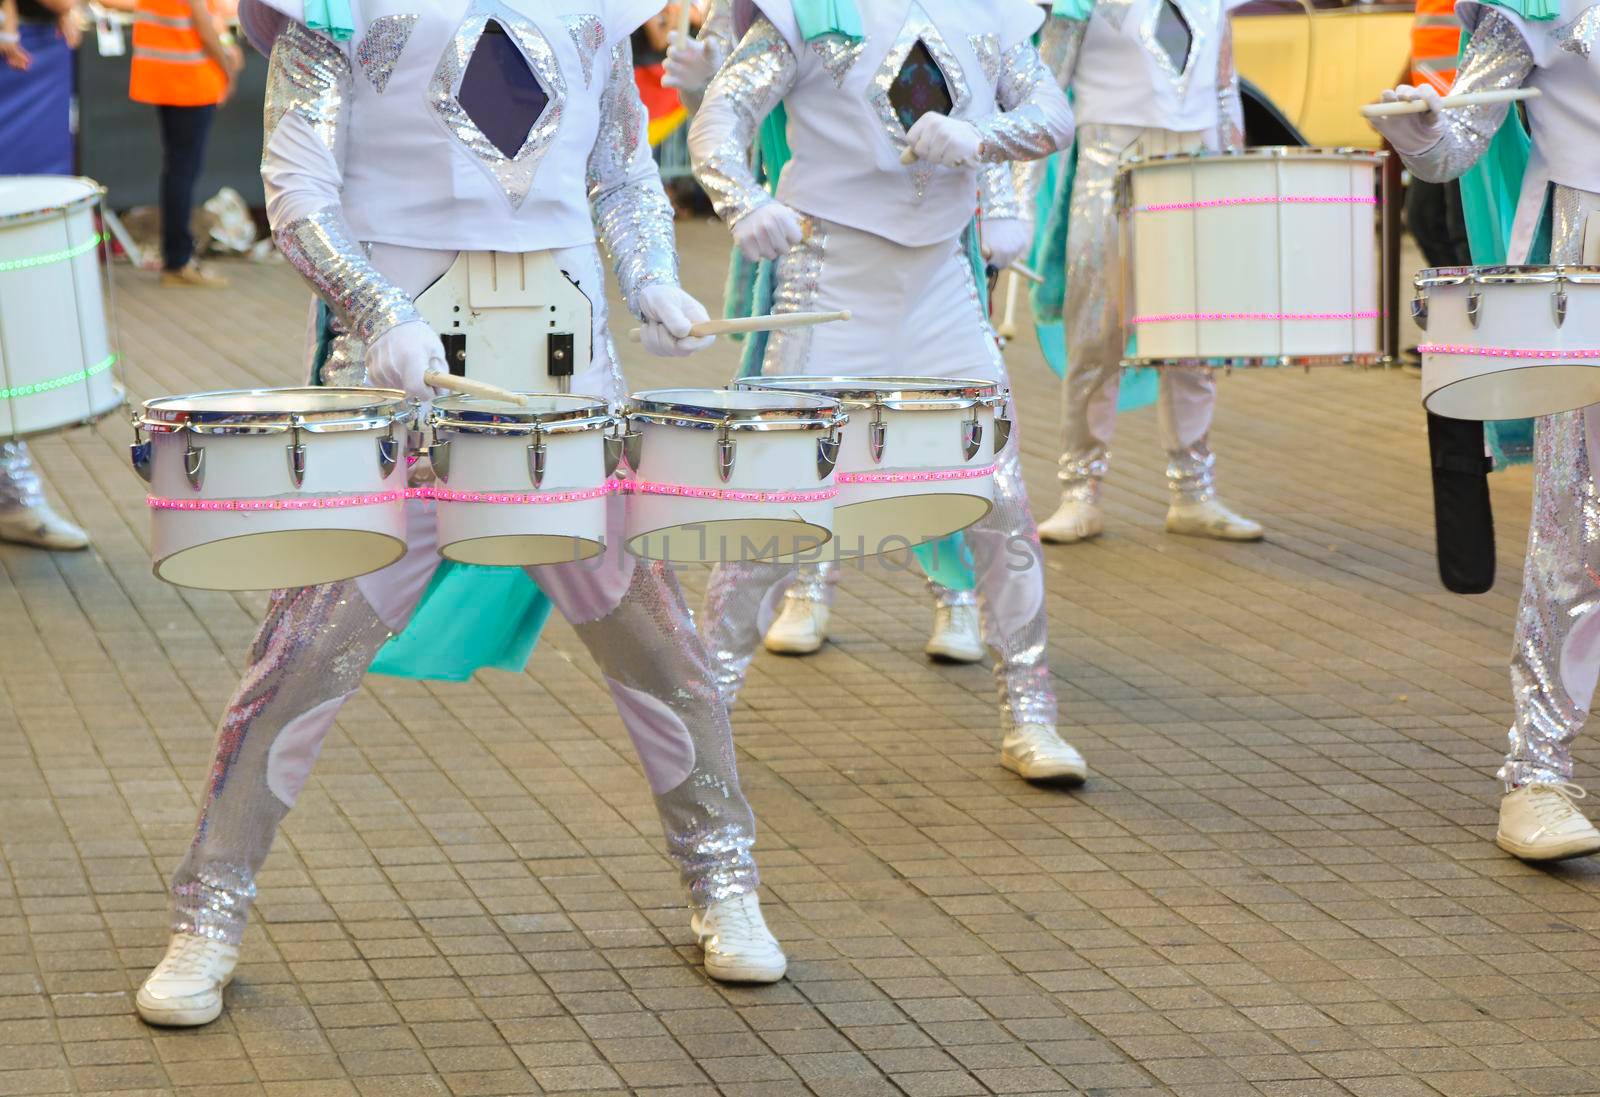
(685, 12)
(481, 389)
(1450, 102)
(1021, 270)
(748, 324)
(1008, 323)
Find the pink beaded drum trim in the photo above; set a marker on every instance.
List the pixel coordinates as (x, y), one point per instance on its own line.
(292, 502)
(1510, 352)
(1262, 200)
(517, 498)
(920, 477)
(1270, 317)
(727, 495)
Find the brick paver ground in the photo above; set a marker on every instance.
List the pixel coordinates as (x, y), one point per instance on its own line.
(1280, 880)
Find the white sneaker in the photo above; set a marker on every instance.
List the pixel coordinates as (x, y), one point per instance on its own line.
(738, 946)
(957, 636)
(1212, 519)
(1074, 520)
(799, 629)
(1541, 823)
(41, 527)
(1035, 752)
(186, 986)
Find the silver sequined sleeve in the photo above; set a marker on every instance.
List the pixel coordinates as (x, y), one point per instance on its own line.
(1060, 43)
(1035, 118)
(717, 33)
(306, 111)
(754, 81)
(1230, 108)
(632, 213)
(999, 195)
(1496, 57)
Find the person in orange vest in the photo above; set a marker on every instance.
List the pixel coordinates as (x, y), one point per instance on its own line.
(185, 67)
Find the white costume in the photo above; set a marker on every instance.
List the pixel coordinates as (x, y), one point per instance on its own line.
(1556, 661)
(1148, 77)
(866, 232)
(384, 158)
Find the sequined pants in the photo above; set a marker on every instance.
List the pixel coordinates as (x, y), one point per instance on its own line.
(1095, 341)
(917, 312)
(20, 488)
(314, 649)
(1556, 661)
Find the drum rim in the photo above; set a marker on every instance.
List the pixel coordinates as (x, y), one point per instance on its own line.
(589, 413)
(1262, 152)
(387, 407)
(1265, 361)
(1512, 274)
(97, 192)
(823, 413)
(912, 393)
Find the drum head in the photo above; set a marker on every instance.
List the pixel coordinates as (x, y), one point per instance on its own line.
(1521, 393)
(24, 197)
(277, 559)
(522, 550)
(731, 541)
(888, 525)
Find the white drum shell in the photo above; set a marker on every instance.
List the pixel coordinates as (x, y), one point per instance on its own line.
(871, 518)
(1512, 316)
(271, 549)
(523, 534)
(52, 314)
(1274, 258)
(690, 530)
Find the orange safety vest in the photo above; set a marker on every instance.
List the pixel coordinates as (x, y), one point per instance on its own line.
(1435, 42)
(170, 68)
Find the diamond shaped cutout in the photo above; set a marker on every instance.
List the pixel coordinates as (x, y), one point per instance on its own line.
(500, 92)
(1174, 36)
(920, 87)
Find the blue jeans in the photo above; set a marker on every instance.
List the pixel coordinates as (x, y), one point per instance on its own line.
(183, 149)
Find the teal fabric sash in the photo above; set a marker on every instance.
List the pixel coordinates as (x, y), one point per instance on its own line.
(818, 17)
(1536, 10)
(1076, 10)
(331, 17)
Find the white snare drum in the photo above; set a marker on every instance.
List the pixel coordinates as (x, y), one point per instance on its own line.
(723, 476)
(520, 484)
(56, 351)
(1508, 342)
(1261, 258)
(917, 460)
(269, 488)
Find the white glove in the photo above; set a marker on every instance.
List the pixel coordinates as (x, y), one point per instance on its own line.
(691, 63)
(399, 357)
(1005, 240)
(942, 140)
(767, 231)
(1412, 134)
(668, 314)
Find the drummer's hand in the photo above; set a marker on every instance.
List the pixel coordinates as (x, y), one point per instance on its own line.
(691, 63)
(767, 231)
(668, 314)
(401, 356)
(1005, 240)
(939, 139)
(1412, 134)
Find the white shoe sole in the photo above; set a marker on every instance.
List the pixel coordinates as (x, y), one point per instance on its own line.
(1212, 533)
(1068, 537)
(1056, 775)
(951, 654)
(785, 645)
(746, 972)
(1573, 847)
(166, 1017)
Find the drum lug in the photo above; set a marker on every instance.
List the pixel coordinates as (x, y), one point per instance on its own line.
(140, 453)
(388, 453)
(877, 435)
(297, 458)
(625, 447)
(1475, 307)
(1002, 431)
(194, 463)
(971, 437)
(537, 453)
(1558, 302)
(725, 456)
(827, 456)
(439, 458)
(1419, 310)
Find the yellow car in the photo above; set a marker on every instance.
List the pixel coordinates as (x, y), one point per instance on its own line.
(1316, 62)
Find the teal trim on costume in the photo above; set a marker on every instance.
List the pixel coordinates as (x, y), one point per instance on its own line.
(1490, 191)
(818, 17)
(1536, 10)
(1076, 10)
(470, 617)
(948, 562)
(331, 17)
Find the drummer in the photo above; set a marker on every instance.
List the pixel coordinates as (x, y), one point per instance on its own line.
(1135, 94)
(1555, 661)
(368, 238)
(852, 226)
